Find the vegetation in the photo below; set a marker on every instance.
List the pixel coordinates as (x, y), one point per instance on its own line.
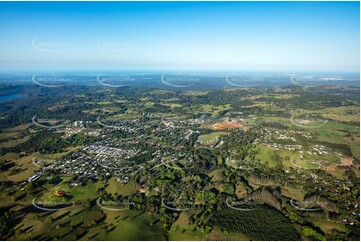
(140, 163)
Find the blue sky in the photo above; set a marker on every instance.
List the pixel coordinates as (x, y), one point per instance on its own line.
(287, 36)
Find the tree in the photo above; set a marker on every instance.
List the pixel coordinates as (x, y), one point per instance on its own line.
(18, 232)
(312, 234)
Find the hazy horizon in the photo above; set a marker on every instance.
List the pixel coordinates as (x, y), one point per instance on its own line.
(183, 36)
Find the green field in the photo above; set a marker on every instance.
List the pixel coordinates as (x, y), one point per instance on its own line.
(181, 230)
(121, 189)
(135, 225)
(210, 137)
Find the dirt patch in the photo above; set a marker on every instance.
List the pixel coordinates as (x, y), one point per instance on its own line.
(344, 162)
(228, 125)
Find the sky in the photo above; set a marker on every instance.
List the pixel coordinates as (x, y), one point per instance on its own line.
(264, 36)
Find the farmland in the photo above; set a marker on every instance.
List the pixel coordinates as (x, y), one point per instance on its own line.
(260, 224)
